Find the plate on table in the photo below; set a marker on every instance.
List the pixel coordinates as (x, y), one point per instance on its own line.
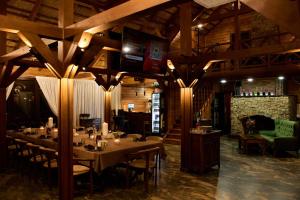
(77, 144)
(45, 137)
(92, 148)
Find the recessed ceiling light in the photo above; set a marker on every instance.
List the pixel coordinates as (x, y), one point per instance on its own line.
(126, 49)
(250, 79)
(223, 81)
(280, 77)
(200, 26)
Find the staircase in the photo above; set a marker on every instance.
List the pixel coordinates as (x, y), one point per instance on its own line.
(173, 136)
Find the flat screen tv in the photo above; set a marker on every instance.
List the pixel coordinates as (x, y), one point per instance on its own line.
(143, 52)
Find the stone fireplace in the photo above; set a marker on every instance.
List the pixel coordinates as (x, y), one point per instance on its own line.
(275, 107)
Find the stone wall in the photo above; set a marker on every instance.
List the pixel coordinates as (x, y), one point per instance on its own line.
(283, 107)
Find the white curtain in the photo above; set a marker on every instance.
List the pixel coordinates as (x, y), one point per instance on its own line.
(8, 90)
(50, 89)
(88, 98)
(116, 98)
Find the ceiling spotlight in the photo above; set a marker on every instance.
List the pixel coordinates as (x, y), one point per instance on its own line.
(200, 26)
(223, 81)
(82, 49)
(280, 77)
(83, 68)
(250, 79)
(126, 49)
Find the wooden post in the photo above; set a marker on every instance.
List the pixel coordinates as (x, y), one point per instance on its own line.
(66, 139)
(3, 145)
(186, 94)
(237, 35)
(107, 107)
(65, 18)
(186, 100)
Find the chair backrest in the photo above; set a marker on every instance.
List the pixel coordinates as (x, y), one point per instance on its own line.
(146, 154)
(155, 138)
(33, 149)
(21, 146)
(134, 136)
(10, 140)
(49, 153)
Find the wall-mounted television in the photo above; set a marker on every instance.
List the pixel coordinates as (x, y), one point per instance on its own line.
(143, 52)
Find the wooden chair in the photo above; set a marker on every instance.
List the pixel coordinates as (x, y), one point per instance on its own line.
(158, 139)
(11, 148)
(80, 168)
(144, 161)
(22, 150)
(134, 136)
(34, 153)
(155, 138)
(51, 162)
(11, 145)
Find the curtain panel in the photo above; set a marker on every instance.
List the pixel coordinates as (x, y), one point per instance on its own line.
(50, 89)
(116, 98)
(88, 98)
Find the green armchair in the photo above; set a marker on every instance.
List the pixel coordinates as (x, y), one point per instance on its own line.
(285, 136)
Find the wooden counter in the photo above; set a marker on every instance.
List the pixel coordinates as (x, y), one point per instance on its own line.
(205, 150)
(134, 122)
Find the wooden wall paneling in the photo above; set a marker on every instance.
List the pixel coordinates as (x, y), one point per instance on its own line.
(136, 96)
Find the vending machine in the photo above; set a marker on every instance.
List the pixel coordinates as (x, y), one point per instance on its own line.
(156, 113)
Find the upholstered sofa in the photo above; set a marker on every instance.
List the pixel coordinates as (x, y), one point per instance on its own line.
(285, 136)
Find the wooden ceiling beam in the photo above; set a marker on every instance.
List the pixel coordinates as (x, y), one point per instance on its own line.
(5, 72)
(35, 10)
(261, 72)
(14, 25)
(238, 54)
(118, 14)
(34, 41)
(217, 17)
(16, 74)
(22, 51)
(282, 13)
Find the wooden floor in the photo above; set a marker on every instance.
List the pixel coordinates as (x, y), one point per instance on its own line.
(241, 177)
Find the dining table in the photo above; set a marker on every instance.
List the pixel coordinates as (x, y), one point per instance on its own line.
(114, 152)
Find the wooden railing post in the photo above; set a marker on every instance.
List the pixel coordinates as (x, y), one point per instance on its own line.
(3, 144)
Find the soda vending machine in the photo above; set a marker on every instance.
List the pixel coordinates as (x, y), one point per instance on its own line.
(156, 113)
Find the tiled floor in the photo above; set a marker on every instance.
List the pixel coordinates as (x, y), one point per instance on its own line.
(240, 177)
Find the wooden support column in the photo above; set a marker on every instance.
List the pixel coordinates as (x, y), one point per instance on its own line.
(3, 145)
(237, 33)
(186, 100)
(65, 119)
(107, 107)
(186, 94)
(66, 139)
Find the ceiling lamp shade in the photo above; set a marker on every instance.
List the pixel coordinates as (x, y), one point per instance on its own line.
(212, 3)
